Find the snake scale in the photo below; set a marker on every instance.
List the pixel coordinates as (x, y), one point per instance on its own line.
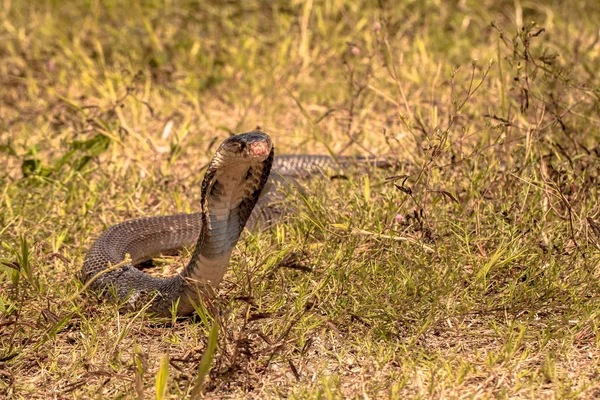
(236, 190)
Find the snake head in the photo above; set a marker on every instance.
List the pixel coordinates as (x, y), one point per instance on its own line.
(252, 147)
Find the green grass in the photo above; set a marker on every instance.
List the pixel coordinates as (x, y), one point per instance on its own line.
(477, 275)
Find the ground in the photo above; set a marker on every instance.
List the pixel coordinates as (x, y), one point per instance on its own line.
(470, 269)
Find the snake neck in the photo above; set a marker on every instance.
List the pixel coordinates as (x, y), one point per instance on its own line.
(228, 196)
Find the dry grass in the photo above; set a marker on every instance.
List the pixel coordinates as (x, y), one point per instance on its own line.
(475, 275)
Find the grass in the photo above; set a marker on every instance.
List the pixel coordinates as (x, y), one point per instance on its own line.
(473, 273)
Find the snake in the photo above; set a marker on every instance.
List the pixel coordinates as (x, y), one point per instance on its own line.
(238, 187)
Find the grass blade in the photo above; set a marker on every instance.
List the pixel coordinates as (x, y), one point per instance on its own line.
(206, 361)
(161, 378)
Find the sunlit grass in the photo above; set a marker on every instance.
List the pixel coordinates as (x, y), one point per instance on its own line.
(470, 269)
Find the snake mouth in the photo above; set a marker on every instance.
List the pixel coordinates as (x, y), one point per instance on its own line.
(259, 149)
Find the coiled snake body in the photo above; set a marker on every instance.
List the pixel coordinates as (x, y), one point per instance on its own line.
(231, 187)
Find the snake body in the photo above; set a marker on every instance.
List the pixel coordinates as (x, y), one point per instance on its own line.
(231, 189)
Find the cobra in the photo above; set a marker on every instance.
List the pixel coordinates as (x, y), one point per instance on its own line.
(231, 187)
